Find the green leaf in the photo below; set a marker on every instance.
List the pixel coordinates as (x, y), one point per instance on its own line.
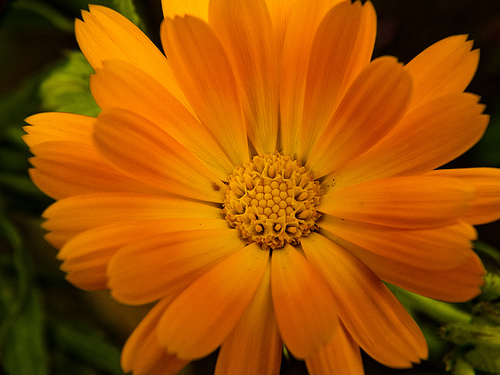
(66, 89)
(50, 14)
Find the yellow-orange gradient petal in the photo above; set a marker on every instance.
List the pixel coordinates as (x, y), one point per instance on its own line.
(485, 207)
(279, 11)
(435, 248)
(305, 17)
(143, 151)
(107, 35)
(372, 106)
(372, 315)
(254, 346)
(415, 202)
(121, 85)
(197, 8)
(305, 308)
(443, 68)
(142, 353)
(99, 209)
(427, 137)
(86, 255)
(199, 320)
(205, 75)
(173, 260)
(340, 357)
(341, 48)
(245, 29)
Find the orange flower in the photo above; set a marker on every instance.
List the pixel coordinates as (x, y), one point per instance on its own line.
(262, 182)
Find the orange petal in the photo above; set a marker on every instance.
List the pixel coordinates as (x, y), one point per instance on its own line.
(425, 138)
(340, 357)
(372, 106)
(152, 268)
(341, 48)
(58, 126)
(305, 308)
(371, 314)
(70, 216)
(254, 346)
(279, 11)
(107, 35)
(204, 72)
(485, 207)
(415, 247)
(413, 202)
(458, 284)
(121, 85)
(305, 17)
(199, 320)
(197, 8)
(145, 152)
(444, 68)
(142, 352)
(245, 29)
(86, 256)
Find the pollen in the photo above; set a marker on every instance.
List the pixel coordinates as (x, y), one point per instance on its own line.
(272, 201)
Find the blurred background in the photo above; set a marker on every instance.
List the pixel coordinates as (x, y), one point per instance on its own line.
(49, 327)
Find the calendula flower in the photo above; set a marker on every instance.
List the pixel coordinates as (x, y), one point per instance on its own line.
(261, 179)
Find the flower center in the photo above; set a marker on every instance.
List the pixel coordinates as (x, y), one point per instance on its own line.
(272, 201)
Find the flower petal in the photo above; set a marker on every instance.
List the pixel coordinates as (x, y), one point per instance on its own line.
(443, 68)
(107, 35)
(415, 247)
(142, 352)
(86, 255)
(205, 75)
(245, 29)
(254, 346)
(485, 207)
(279, 11)
(143, 151)
(197, 8)
(413, 202)
(340, 357)
(372, 106)
(121, 85)
(341, 48)
(426, 138)
(305, 17)
(371, 314)
(99, 209)
(173, 260)
(199, 320)
(305, 308)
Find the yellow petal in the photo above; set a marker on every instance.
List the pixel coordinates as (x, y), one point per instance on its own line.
(305, 17)
(341, 356)
(199, 320)
(145, 152)
(415, 202)
(485, 207)
(151, 268)
(425, 138)
(444, 68)
(197, 8)
(142, 353)
(107, 35)
(254, 346)
(415, 247)
(371, 314)
(121, 85)
(205, 75)
(372, 106)
(341, 48)
(58, 126)
(305, 308)
(279, 11)
(99, 209)
(245, 29)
